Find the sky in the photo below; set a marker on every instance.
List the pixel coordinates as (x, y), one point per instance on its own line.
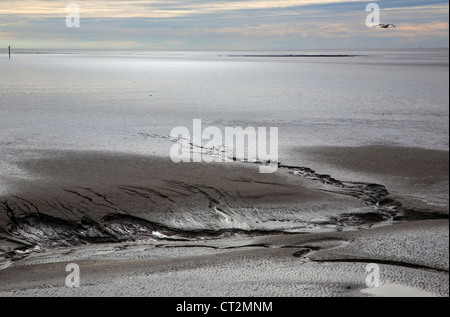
(222, 25)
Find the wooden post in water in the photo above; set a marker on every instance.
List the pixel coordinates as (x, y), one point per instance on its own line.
(9, 52)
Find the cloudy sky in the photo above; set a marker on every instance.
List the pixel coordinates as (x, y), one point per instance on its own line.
(221, 24)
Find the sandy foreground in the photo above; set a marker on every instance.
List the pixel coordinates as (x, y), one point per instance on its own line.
(413, 260)
(79, 202)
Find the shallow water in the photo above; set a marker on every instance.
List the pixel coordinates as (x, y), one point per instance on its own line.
(104, 100)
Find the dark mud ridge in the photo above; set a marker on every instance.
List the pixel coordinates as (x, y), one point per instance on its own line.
(181, 212)
(50, 232)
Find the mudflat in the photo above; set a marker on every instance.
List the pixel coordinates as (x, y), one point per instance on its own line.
(144, 226)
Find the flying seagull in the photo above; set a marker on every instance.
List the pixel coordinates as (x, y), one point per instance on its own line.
(384, 26)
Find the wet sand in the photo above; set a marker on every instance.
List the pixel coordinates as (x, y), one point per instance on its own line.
(420, 177)
(75, 188)
(75, 191)
(387, 160)
(326, 264)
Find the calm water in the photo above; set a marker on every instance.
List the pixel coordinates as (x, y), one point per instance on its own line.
(107, 100)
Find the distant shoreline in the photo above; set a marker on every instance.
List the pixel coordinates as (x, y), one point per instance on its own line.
(302, 55)
(237, 55)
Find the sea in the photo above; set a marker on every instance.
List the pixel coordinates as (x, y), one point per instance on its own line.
(85, 100)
